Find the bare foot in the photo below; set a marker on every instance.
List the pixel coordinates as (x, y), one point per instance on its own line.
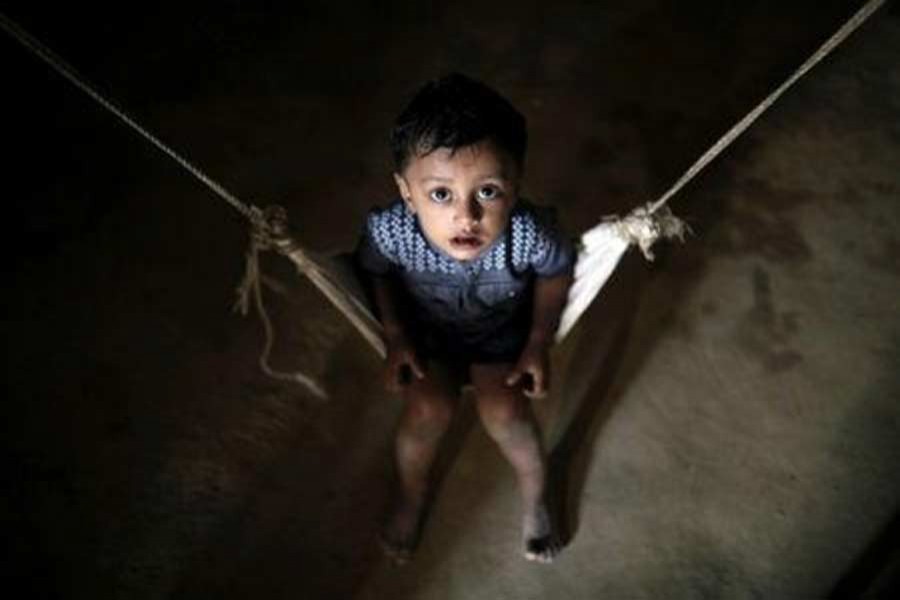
(542, 542)
(400, 535)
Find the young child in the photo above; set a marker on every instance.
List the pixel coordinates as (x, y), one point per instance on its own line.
(469, 281)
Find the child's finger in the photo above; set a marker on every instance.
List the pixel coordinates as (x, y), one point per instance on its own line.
(537, 390)
(416, 368)
(535, 393)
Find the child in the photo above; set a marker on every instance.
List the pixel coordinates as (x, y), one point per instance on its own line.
(469, 281)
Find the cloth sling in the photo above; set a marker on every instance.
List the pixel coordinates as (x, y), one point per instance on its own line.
(600, 248)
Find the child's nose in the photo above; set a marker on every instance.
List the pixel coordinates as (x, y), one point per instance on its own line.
(469, 210)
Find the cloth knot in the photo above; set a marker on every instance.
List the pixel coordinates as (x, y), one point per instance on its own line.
(643, 226)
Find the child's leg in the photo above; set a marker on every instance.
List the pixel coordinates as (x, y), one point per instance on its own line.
(507, 416)
(430, 405)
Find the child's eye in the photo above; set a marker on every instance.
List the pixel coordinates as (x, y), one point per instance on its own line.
(440, 195)
(488, 192)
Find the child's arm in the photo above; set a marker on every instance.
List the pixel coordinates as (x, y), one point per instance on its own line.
(400, 353)
(550, 294)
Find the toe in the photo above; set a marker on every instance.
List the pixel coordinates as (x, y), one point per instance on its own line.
(542, 550)
(399, 554)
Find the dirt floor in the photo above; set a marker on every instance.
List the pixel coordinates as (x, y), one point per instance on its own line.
(726, 420)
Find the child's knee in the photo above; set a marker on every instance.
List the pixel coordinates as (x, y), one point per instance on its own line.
(502, 411)
(424, 414)
(499, 405)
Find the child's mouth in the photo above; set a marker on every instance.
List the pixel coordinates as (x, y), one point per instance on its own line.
(465, 241)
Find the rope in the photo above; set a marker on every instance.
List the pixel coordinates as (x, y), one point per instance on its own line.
(251, 286)
(261, 228)
(60, 66)
(833, 42)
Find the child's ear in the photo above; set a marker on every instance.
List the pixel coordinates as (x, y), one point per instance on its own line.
(403, 188)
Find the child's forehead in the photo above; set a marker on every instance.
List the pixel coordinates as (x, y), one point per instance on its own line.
(483, 159)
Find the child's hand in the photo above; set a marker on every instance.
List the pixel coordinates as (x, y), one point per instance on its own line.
(401, 364)
(534, 363)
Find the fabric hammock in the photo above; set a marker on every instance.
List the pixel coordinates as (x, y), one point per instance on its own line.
(599, 251)
(600, 248)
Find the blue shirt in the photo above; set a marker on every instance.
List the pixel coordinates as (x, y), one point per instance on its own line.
(481, 306)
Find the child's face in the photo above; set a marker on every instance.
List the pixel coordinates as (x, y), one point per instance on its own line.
(462, 198)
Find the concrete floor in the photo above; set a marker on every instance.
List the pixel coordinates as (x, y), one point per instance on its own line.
(726, 421)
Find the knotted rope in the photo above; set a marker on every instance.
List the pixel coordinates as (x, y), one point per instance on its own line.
(646, 234)
(264, 224)
(603, 246)
(644, 225)
(267, 234)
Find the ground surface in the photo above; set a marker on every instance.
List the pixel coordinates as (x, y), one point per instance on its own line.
(726, 422)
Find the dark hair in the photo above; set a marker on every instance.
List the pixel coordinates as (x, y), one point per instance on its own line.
(453, 112)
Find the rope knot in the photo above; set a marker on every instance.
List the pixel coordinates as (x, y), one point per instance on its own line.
(646, 224)
(269, 229)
